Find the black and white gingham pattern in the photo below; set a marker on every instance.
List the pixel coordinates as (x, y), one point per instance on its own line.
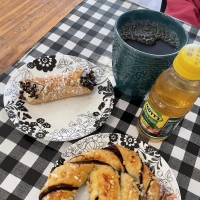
(87, 32)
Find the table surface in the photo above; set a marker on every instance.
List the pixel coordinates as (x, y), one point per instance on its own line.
(87, 32)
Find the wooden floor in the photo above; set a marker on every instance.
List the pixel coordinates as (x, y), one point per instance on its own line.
(24, 22)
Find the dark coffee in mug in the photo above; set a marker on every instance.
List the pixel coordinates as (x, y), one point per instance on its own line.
(145, 43)
(149, 37)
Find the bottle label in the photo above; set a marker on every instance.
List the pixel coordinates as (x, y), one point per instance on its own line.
(154, 123)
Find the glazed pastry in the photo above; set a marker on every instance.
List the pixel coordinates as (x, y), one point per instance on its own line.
(102, 155)
(151, 188)
(154, 190)
(114, 172)
(37, 90)
(132, 162)
(129, 189)
(60, 194)
(146, 177)
(65, 180)
(103, 184)
(169, 196)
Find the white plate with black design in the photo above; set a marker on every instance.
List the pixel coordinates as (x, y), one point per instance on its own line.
(147, 153)
(64, 119)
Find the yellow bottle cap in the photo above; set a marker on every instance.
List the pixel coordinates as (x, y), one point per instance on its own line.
(187, 62)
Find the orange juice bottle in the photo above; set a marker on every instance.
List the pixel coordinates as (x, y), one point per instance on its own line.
(172, 96)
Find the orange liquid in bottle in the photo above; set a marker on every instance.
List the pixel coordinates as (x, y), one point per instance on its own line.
(172, 96)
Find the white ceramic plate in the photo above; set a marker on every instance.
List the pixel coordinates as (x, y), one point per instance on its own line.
(147, 153)
(64, 119)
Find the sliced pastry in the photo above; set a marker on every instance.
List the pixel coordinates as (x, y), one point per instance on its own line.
(65, 180)
(154, 190)
(60, 194)
(104, 184)
(132, 162)
(103, 156)
(112, 173)
(169, 196)
(129, 189)
(146, 176)
(37, 90)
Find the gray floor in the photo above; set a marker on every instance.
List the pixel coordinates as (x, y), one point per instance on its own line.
(151, 4)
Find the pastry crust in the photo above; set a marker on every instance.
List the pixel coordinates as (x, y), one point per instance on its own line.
(112, 173)
(104, 156)
(155, 190)
(70, 176)
(146, 178)
(129, 189)
(103, 184)
(169, 196)
(60, 194)
(54, 87)
(132, 162)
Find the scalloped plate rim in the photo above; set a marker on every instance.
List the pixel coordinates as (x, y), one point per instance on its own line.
(117, 142)
(58, 58)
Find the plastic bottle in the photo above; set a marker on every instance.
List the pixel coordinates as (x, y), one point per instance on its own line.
(172, 96)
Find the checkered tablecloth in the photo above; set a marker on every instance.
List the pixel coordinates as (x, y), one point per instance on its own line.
(87, 32)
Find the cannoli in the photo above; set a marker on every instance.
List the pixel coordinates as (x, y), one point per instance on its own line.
(37, 90)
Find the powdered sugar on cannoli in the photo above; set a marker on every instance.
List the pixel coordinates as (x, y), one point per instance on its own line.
(49, 88)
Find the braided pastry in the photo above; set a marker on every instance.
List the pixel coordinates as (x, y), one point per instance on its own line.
(37, 90)
(103, 155)
(129, 189)
(111, 173)
(103, 184)
(64, 181)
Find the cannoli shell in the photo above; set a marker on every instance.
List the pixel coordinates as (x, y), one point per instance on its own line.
(58, 86)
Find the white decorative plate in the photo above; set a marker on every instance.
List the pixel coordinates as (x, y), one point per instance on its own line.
(64, 119)
(148, 154)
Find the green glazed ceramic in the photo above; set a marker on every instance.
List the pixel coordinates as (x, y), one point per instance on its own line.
(135, 71)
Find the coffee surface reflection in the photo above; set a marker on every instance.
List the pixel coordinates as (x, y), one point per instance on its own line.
(150, 37)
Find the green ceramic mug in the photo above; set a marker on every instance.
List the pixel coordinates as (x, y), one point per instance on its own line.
(136, 71)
